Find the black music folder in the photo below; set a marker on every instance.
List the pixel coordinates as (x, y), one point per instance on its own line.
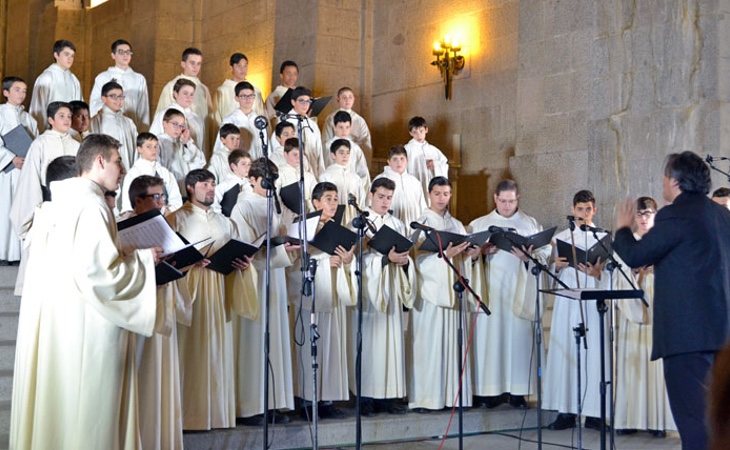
(505, 241)
(386, 238)
(291, 197)
(318, 104)
(165, 273)
(229, 200)
(284, 105)
(592, 255)
(222, 259)
(333, 235)
(18, 141)
(431, 244)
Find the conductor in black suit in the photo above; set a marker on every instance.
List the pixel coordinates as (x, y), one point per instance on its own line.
(689, 248)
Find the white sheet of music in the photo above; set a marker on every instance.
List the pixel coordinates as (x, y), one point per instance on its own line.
(154, 232)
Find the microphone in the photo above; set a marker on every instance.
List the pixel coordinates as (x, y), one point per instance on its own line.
(420, 226)
(585, 227)
(261, 122)
(570, 218)
(351, 200)
(496, 229)
(710, 159)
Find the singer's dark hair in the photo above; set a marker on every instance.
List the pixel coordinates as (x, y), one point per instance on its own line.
(60, 44)
(61, 168)
(438, 181)
(236, 58)
(385, 183)
(288, 63)
(119, 42)
(291, 144)
(397, 150)
(300, 91)
(110, 86)
(180, 83)
(172, 112)
(259, 166)
(337, 143)
(8, 82)
(507, 185)
(190, 51)
(237, 155)
(643, 203)
(77, 106)
(321, 188)
(416, 122)
(53, 108)
(228, 129)
(584, 196)
(280, 127)
(196, 176)
(721, 192)
(690, 171)
(138, 187)
(243, 85)
(342, 116)
(144, 137)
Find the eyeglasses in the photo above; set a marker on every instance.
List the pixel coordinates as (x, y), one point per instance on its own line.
(125, 52)
(179, 126)
(302, 101)
(645, 213)
(248, 96)
(115, 97)
(155, 197)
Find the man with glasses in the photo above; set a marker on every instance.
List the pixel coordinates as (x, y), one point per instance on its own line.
(136, 102)
(301, 100)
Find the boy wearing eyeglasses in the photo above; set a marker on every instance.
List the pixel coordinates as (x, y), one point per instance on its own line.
(301, 100)
(111, 120)
(243, 117)
(136, 102)
(178, 152)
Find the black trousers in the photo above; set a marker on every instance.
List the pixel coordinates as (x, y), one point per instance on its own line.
(687, 378)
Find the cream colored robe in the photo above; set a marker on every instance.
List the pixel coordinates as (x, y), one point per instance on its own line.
(503, 356)
(357, 164)
(408, 200)
(195, 122)
(75, 371)
(180, 158)
(250, 140)
(360, 132)
(228, 182)
(121, 128)
(204, 332)
(10, 117)
(151, 168)
(225, 101)
(202, 106)
(218, 163)
(55, 84)
(347, 182)
(434, 378)
(250, 215)
(386, 289)
(313, 151)
(136, 98)
(418, 154)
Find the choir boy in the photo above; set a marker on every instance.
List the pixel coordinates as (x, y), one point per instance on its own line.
(229, 139)
(191, 62)
(301, 100)
(178, 152)
(408, 200)
(110, 120)
(360, 131)
(183, 93)
(425, 161)
(225, 98)
(358, 163)
(56, 84)
(347, 181)
(283, 131)
(243, 117)
(289, 73)
(239, 163)
(80, 120)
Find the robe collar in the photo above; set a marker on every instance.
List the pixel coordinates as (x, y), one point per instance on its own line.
(392, 173)
(145, 164)
(58, 134)
(57, 68)
(120, 71)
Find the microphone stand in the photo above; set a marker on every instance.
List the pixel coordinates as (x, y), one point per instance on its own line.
(459, 287)
(709, 161)
(580, 333)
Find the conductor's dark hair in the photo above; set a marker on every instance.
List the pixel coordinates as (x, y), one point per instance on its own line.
(280, 127)
(288, 63)
(397, 150)
(690, 172)
(643, 203)
(416, 122)
(172, 112)
(236, 58)
(196, 176)
(60, 44)
(144, 137)
(337, 143)
(138, 187)
(290, 144)
(721, 192)
(237, 155)
(190, 51)
(110, 86)
(92, 146)
(61, 168)
(584, 196)
(77, 106)
(228, 129)
(241, 86)
(300, 91)
(321, 188)
(8, 82)
(119, 42)
(385, 183)
(342, 116)
(259, 166)
(53, 108)
(182, 82)
(438, 181)
(507, 185)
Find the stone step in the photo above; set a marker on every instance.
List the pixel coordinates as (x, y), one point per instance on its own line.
(8, 274)
(6, 388)
(8, 301)
(8, 326)
(381, 428)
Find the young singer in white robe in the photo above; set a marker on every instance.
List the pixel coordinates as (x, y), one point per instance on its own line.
(111, 120)
(136, 101)
(504, 351)
(56, 84)
(389, 284)
(358, 163)
(425, 161)
(90, 299)
(239, 163)
(225, 97)
(641, 393)
(434, 378)
(289, 73)
(11, 116)
(191, 63)
(178, 152)
(312, 146)
(408, 200)
(283, 131)
(204, 332)
(348, 183)
(183, 92)
(359, 131)
(243, 117)
(229, 139)
(250, 215)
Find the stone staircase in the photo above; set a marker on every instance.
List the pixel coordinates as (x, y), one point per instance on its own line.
(9, 308)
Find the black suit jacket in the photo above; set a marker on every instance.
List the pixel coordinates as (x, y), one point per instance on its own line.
(689, 247)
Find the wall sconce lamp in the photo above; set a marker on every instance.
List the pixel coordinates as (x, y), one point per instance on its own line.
(448, 60)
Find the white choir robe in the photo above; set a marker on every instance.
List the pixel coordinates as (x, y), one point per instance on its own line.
(180, 158)
(44, 149)
(205, 338)
(55, 84)
(347, 183)
(641, 393)
(136, 98)
(386, 289)
(218, 163)
(10, 117)
(434, 379)
(503, 356)
(360, 132)
(313, 151)
(121, 128)
(273, 99)
(334, 292)
(202, 105)
(418, 154)
(276, 152)
(195, 122)
(229, 180)
(250, 141)
(225, 101)
(408, 200)
(561, 382)
(84, 301)
(289, 175)
(357, 163)
(250, 215)
(154, 169)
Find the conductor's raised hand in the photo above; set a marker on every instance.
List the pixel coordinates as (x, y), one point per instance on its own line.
(625, 212)
(399, 259)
